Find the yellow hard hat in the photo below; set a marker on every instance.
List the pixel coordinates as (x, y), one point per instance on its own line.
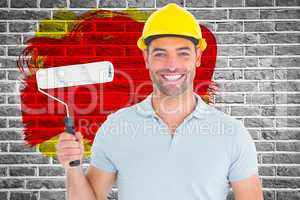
(172, 20)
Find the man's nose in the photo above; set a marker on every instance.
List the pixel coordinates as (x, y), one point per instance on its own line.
(171, 64)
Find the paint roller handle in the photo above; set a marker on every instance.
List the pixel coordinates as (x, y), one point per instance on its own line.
(70, 129)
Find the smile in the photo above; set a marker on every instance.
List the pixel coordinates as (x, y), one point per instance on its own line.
(174, 77)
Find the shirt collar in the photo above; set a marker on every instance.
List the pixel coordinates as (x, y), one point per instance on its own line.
(145, 107)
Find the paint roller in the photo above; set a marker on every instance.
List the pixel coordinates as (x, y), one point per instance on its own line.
(73, 75)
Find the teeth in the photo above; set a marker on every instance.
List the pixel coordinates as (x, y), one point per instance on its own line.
(173, 77)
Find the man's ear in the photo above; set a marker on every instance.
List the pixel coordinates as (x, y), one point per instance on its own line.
(145, 55)
(198, 57)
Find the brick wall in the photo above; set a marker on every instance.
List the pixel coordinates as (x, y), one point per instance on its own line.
(257, 70)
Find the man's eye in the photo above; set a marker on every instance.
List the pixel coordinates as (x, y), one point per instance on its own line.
(159, 55)
(184, 54)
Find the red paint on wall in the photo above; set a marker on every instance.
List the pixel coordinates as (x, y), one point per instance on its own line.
(94, 38)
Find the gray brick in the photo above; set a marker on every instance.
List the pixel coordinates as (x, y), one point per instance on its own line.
(287, 122)
(258, 3)
(22, 171)
(287, 98)
(243, 14)
(288, 171)
(45, 183)
(287, 26)
(281, 158)
(266, 170)
(4, 195)
(23, 159)
(280, 110)
(3, 123)
(293, 98)
(260, 98)
(7, 87)
(265, 146)
(245, 110)
(51, 171)
(199, 3)
(15, 123)
(13, 99)
(10, 39)
(24, 195)
(279, 38)
(3, 148)
(161, 3)
(2, 75)
(84, 3)
(279, 62)
(237, 38)
(221, 62)
(258, 50)
(210, 14)
(8, 63)
(9, 134)
(254, 134)
(229, 98)
(259, 26)
(141, 4)
(22, 27)
(21, 147)
(287, 3)
(287, 50)
(23, 4)
(10, 183)
(288, 146)
(53, 3)
(243, 62)
(227, 74)
(3, 172)
(112, 4)
(290, 195)
(2, 51)
(279, 14)
(14, 74)
(287, 74)
(25, 14)
(268, 194)
(230, 50)
(2, 99)
(3, 4)
(280, 183)
(280, 134)
(9, 111)
(52, 195)
(229, 3)
(3, 27)
(279, 86)
(259, 122)
(262, 74)
(237, 86)
(229, 26)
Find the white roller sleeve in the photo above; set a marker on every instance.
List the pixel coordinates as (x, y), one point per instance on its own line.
(74, 75)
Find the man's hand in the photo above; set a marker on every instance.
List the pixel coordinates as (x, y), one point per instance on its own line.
(69, 148)
(248, 189)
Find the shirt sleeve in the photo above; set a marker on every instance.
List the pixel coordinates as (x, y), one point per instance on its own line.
(99, 156)
(243, 156)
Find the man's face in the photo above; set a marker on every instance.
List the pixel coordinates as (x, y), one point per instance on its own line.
(171, 62)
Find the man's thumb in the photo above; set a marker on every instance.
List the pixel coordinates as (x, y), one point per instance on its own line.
(78, 136)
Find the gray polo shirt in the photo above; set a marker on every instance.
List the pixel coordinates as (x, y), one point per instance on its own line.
(209, 150)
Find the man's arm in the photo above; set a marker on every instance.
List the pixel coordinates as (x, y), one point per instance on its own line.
(95, 185)
(247, 189)
(101, 181)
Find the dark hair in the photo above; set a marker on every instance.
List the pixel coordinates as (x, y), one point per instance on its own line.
(149, 39)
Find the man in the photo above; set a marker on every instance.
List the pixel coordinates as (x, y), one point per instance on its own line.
(172, 145)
